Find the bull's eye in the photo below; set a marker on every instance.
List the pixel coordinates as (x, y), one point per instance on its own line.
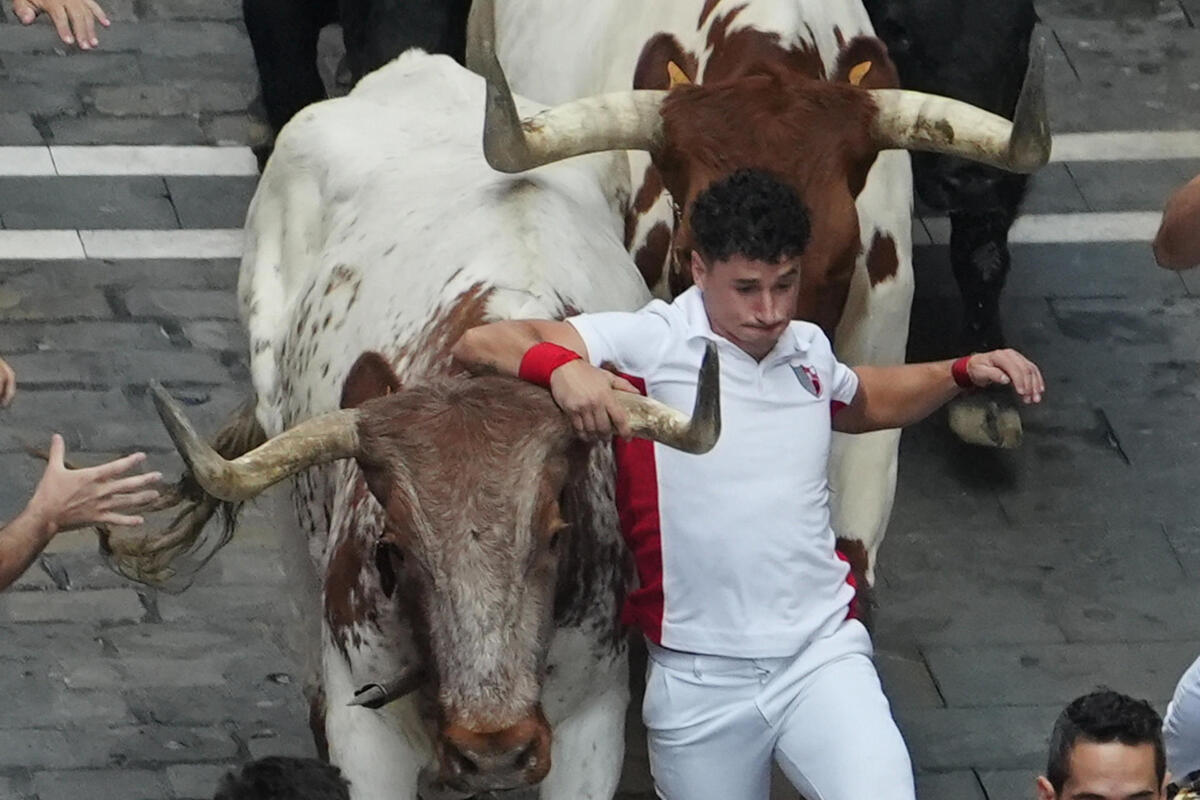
(556, 533)
(389, 560)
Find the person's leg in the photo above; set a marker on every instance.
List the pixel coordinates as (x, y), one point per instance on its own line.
(838, 740)
(283, 34)
(707, 739)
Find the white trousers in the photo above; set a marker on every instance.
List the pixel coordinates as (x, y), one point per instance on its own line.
(714, 723)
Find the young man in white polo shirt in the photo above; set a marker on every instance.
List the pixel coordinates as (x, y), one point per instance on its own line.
(744, 603)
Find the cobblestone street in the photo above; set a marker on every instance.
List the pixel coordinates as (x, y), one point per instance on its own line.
(1009, 582)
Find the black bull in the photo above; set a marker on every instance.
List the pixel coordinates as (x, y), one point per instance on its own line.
(977, 51)
(284, 35)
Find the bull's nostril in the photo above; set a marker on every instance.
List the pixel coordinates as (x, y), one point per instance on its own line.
(461, 765)
(527, 758)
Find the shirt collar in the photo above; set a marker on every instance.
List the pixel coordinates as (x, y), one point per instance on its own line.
(794, 342)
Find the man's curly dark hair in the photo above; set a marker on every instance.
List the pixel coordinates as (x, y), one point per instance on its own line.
(1101, 717)
(751, 213)
(284, 778)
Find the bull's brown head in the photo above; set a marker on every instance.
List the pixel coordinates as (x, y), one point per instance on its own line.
(469, 473)
(821, 136)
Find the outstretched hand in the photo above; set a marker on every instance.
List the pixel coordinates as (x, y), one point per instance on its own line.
(1006, 367)
(75, 20)
(74, 498)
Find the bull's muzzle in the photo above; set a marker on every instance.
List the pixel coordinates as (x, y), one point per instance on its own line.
(511, 758)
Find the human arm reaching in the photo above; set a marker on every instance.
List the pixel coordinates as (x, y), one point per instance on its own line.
(73, 498)
(896, 396)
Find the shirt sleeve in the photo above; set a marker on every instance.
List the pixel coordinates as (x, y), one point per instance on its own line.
(845, 384)
(1181, 727)
(633, 342)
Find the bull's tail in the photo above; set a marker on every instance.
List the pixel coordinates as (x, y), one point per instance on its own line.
(168, 553)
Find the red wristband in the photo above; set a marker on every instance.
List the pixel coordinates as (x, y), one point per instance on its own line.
(540, 361)
(959, 371)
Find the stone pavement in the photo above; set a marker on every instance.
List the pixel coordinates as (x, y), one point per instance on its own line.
(1009, 582)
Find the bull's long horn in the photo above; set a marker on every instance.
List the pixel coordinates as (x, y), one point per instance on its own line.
(378, 695)
(918, 121)
(698, 434)
(319, 440)
(619, 121)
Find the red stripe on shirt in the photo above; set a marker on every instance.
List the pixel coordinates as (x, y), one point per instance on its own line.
(637, 505)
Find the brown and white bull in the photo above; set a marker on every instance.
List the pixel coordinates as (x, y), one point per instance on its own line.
(798, 87)
(466, 546)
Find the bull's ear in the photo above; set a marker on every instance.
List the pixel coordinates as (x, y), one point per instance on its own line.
(370, 377)
(864, 62)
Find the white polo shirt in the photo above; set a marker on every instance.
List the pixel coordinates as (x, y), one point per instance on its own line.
(734, 549)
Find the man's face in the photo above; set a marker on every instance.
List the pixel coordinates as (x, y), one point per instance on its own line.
(1109, 771)
(748, 302)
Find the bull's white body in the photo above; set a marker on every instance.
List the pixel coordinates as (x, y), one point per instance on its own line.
(375, 213)
(558, 50)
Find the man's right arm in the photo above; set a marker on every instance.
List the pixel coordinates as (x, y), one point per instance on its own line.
(583, 392)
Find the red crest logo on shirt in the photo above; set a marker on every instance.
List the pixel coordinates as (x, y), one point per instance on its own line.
(808, 379)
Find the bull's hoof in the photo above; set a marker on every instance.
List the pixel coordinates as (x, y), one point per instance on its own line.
(987, 419)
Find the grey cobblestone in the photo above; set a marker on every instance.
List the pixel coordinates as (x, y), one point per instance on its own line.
(204, 202)
(237, 68)
(959, 785)
(196, 780)
(100, 129)
(230, 129)
(215, 335)
(100, 605)
(72, 67)
(154, 744)
(105, 784)
(120, 368)
(196, 9)
(67, 277)
(16, 128)
(86, 202)
(46, 99)
(193, 97)
(176, 39)
(36, 295)
(181, 303)
(83, 335)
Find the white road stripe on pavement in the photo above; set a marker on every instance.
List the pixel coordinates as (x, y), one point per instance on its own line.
(70, 160)
(1127, 226)
(1125, 146)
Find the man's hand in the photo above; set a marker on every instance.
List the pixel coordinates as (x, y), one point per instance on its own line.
(74, 498)
(8, 383)
(585, 393)
(75, 20)
(1007, 367)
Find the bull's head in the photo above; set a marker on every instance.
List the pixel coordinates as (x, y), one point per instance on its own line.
(822, 136)
(469, 473)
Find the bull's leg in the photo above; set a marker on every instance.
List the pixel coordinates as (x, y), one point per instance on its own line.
(284, 35)
(374, 749)
(980, 260)
(588, 749)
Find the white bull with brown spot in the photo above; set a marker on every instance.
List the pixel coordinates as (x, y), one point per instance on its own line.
(788, 71)
(466, 546)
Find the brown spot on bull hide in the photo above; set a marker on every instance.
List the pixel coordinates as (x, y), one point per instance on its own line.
(647, 194)
(428, 353)
(709, 5)
(348, 600)
(882, 75)
(745, 51)
(652, 255)
(370, 377)
(660, 50)
(882, 262)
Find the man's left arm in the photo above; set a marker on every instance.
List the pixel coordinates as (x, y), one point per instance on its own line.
(893, 397)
